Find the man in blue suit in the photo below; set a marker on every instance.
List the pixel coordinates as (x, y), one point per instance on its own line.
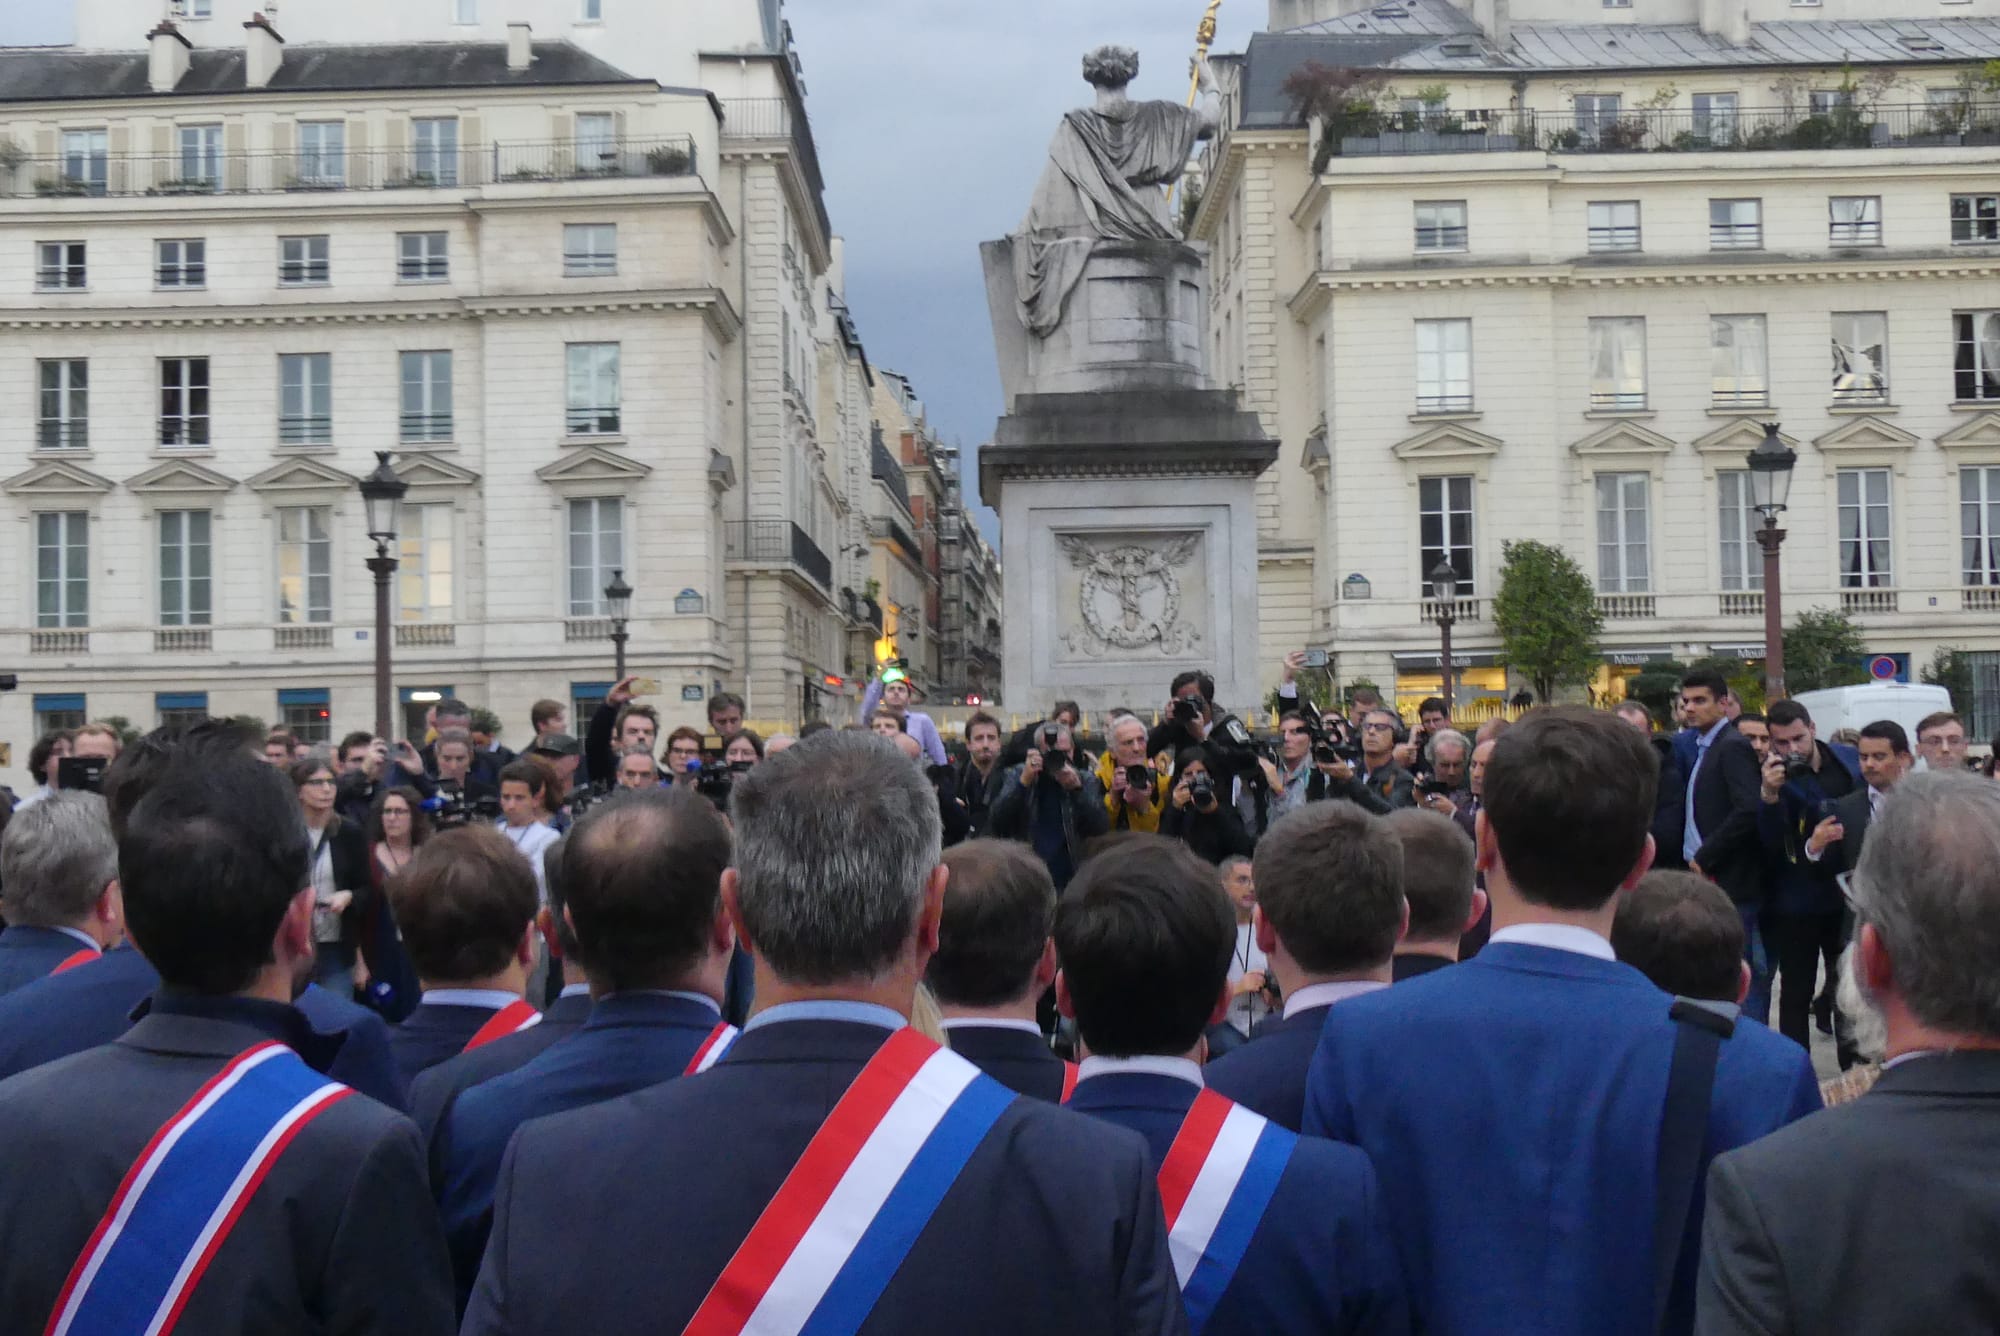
(642, 880)
(1291, 1238)
(59, 868)
(1516, 1100)
(923, 1193)
(1330, 911)
(993, 963)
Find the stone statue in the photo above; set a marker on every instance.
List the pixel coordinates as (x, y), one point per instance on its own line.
(1108, 167)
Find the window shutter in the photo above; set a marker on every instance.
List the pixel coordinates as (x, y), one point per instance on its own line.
(359, 175)
(234, 163)
(118, 143)
(471, 153)
(395, 156)
(562, 130)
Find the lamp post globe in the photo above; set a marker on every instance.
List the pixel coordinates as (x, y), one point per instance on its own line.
(618, 602)
(382, 500)
(1444, 588)
(1771, 465)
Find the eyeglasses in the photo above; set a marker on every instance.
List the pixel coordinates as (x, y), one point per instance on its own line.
(318, 780)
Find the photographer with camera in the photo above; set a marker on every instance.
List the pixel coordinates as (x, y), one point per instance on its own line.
(1444, 787)
(1048, 803)
(365, 772)
(1381, 732)
(616, 726)
(1134, 793)
(1189, 714)
(1201, 816)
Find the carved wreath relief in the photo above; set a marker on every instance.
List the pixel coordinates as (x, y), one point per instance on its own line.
(1130, 595)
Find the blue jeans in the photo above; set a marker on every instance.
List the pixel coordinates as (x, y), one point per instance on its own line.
(1757, 1002)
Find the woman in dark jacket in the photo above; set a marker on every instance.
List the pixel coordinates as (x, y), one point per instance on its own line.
(343, 889)
(1202, 816)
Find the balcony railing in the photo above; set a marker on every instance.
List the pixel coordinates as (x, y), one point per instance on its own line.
(1618, 401)
(1624, 607)
(884, 468)
(422, 635)
(1867, 600)
(577, 629)
(58, 642)
(778, 118)
(592, 421)
(55, 434)
(1748, 603)
(1462, 610)
(418, 428)
(594, 159)
(777, 542)
(1854, 234)
(305, 429)
(1721, 398)
(1980, 598)
(1444, 403)
(302, 637)
(183, 640)
(188, 432)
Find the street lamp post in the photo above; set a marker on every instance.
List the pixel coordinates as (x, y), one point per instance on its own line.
(1771, 465)
(382, 498)
(1444, 587)
(618, 599)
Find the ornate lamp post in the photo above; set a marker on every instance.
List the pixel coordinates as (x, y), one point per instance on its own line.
(618, 599)
(1771, 466)
(1444, 587)
(382, 498)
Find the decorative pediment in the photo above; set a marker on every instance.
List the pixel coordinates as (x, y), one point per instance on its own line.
(1739, 435)
(1447, 440)
(1866, 433)
(302, 475)
(57, 478)
(1623, 439)
(180, 477)
(593, 464)
(430, 471)
(1979, 433)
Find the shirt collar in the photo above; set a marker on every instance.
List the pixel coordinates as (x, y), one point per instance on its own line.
(699, 999)
(491, 998)
(80, 936)
(1709, 736)
(828, 1009)
(951, 1023)
(1145, 1064)
(1912, 1056)
(575, 990)
(1557, 937)
(1326, 994)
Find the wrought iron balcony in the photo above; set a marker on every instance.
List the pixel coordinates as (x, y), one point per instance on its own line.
(777, 542)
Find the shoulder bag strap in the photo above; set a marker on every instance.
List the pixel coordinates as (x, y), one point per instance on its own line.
(1698, 1036)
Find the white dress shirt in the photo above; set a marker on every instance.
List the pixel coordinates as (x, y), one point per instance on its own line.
(1557, 937)
(1326, 994)
(1147, 1064)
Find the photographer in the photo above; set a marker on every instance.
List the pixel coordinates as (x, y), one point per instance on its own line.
(365, 772)
(1380, 731)
(1443, 787)
(1190, 710)
(1048, 803)
(616, 726)
(454, 763)
(1201, 817)
(1134, 793)
(1065, 712)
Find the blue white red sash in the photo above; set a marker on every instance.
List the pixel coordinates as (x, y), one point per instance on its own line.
(1214, 1185)
(828, 1243)
(185, 1193)
(712, 1048)
(1069, 1082)
(510, 1019)
(70, 962)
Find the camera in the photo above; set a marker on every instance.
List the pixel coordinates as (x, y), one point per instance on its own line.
(1053, 761)
(1798, 767)
(1329, 746)
(715, 781)
(1187, 709)
(1202, 790)
(1139, 777)
(1233, 753)
(81, 774)
(449, 808)
(1431, 785)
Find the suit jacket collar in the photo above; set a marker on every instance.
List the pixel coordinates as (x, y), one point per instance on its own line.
(187, 1025)
(1520, 958)
(846, 1042)
(27, 936)
(1974, 1072)
(1416, 964)
(572, 1010)
(994, 1042)
(1134, 1090)
(650, 1011)
(1312, 1018)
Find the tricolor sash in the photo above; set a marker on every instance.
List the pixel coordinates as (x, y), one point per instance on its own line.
(868, 1183)
(1214, 1185)
(712, 1048)
(186, 1191)
(70, 962)
(1069, 1082)
(510, 1019)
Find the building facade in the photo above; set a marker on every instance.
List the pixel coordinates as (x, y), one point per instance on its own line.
(969, 590)
(1543, 274)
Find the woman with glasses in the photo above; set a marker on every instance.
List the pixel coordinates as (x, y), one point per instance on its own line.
(342, 888)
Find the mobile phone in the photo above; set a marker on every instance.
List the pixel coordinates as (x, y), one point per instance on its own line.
(1315, 658)
(646, 686)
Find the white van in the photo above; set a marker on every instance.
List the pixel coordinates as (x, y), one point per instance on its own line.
(1856, 707)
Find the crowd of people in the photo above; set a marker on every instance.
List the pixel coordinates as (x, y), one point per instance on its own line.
(1351, 1028)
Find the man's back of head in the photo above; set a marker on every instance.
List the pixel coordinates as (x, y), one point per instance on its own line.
(1682, 932)
(1330, 884)
(56, 859)
(138, 768)
(1144, 939)
(999, 908)
(463, 903)
(1438, 875)
(1569, 805)
(642, 883)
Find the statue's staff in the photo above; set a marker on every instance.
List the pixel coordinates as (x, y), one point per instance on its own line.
(1204, 38)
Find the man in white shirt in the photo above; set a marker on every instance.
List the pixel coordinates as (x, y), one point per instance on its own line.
(1249, 969)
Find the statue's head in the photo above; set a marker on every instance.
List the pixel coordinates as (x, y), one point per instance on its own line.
(1111, 67)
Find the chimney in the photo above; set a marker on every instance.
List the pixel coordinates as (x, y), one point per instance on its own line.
(1727, 19)
(520, 50)
(166, 57)
(263, 52)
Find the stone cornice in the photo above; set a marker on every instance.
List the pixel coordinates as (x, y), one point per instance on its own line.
(1303, 302)
(1239, 145)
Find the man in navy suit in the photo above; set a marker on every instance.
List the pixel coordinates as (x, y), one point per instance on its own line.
(333, 1231)
(1724, 794)
(1441, 885)
(643, 895)
(1330, 911)
(59, 865)
(466, 908)
(964, 1205)
(994, 961)
(1516, 1100)
(1145, 939)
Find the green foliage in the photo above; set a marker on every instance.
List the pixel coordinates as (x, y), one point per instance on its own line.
(1657, 682)
(1344, 102)
(1315, 685)
(1823, 649)
(1951, 669)
(1547, 617)
(1347, 693)
(127, 735)
(485, 721)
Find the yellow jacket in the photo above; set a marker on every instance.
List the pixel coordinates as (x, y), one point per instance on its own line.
(1123, 818)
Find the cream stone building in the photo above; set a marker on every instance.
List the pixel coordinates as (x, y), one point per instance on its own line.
(590, 303)
(1556, 265)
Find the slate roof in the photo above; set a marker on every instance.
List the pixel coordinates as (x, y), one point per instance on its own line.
(42, 74)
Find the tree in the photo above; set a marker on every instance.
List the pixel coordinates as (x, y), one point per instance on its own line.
(485, 721)
(1342, 100)
(1547, 617)
(1823, 649)
(1952, 670)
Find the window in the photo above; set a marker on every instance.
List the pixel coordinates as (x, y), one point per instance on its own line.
(181, 264)
(1444, 366)
(1860, 357)
(1614, 225)
(322, 153)
(184, 401)
(178, 709)
(1444, 529)
(191, 9)
(63, 422)
(62, 568)
(585, 697)
(1854, 220)
(1979, 524)
(57, 710)
(305, 398)
(1742, 559)
(590, 249)
(465, 11)
(423, 580)
(422, 257)
(593, 11)
(596, 548)
(302, 261)
(1735, 224)
(1714, 118)
(1595, 113)
(436, 159)
(1623, 564)
(593, 389)
(1738, 362)
(1441, 225)
(306, 713)
(305, 565)
(1977, 368)
(184, 568)
(1975, 218)
(86, 161)
(1827, 101)
(60, 264)
(1618, 363)
(596, 141)
(1864, 529)
(201, 158)
(426, 378)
